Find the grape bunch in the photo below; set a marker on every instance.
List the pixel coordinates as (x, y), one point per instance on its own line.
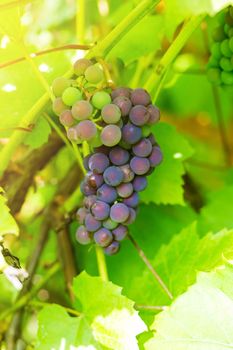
(116, 124)
(220, 65)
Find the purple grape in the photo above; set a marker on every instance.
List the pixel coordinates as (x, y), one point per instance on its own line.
(100, 210)
(98, 162)
(59, 106)
(139, 165)
(111, 114)
(109, 224)
(83, 236)
(139, 183)
(107, 193)
(132, 201)
(113, 176)
(118, 156)
(119, 212)
(139, 115)
(121, 91)
(110, 135)
(143, 148)
(91, 223)
(132, 217)
(86, 162)
(86, 189)
(102, 149)
(81, 214)
(94, 180)
(156, 156)
(66, 118)
(124, 104)
(154, 114)
(140, 97)
(103, 237)
(152, 139)
(124, 190)
(112, 249)
(128, 173)
(82, 110)
(89, 201)
(86, 130)
(120, 232)
(131, 133)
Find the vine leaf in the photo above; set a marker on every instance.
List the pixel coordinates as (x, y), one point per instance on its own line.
(39, 134)
(7, 222)
(10, 21)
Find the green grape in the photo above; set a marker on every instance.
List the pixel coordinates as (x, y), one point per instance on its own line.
(225, 64)
(230, 32)
(226, 28)
(221, 17)
(71, 95)
(59, 106)
(231, 45)
(94, 74)
(225, 48)
(214, 75)
(213, 62)
(227, 78)
(218, 34)
(96, 141)
(59, 85)
(216, 50)
(100, 99)
(81, 65)
(229, 19)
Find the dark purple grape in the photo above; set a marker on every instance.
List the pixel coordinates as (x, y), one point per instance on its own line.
(143, 148)
(119, 212)
(107, 193)
(100, 210)
(154, 114)
(94, 180)
(156, 156)
(128, 173)
(121, 91)
(81, 214)
(124, 104)
(98, 162)
(131, 133)
(86, 161)
(120, 232)
(132, 217)
(113, 176)
(118, 156)
(86, 189)
(140, 97)
(66, 118)
(139, 115)
(91, 223)
(83, 236)
(112, 249)
(103, 237)
(89, 201)
(109, 224)
(139, 165)
(139, 183)
(152, 139)
(125, 190)
(132, 201)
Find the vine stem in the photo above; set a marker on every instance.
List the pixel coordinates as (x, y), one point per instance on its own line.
(101, 261)
(154, 308)
(41, 304)
(80, 21)
(150, 267)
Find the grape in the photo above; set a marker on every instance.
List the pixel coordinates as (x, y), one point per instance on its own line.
(89, 201)
(124, 190)
(100, 210)
(119, 212)
(86, 162)
(103, 237)
(140, 97)
(59, 106)
(132, 216)
(139, 115)
(230, 33)
(226, 28)
(214, 75)
(107, 193)
(112, 249)
(81, 65)
(118, 156)
(98, 162)
(111, 114)
(124, 104)
(94, 74)
(71, 95)
(100, 99)
(154, 114)
(216, 50)
(128, 173)
(66, 118)
(156, 156)
(131, 133)
(139, 165)
(96, 141)
(120, 232)
(152, 139)
(229, 19)
(83, 236)
(132, 201)
(225, 64)
(139, 183)
(110, 135)
(227, 78)
(86, 130)
(225, 48)
(91, 223)
(73, 134)
(86, 189)
(113, 176)
(82, 110)
(59, 85)
(121, 91)
(218, 34)
(231, 44)
(143, 148)
(109, 224)
(81, 214)
(94, 180)
(213, 62)
(102, 149)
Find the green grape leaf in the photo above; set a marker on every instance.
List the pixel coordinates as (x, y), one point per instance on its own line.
(10, 20)
(165, 184)
(199, 319)
(7, 222)
(39, 134)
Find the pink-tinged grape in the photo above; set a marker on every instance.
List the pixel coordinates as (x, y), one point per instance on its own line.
(112, 249)
(86, 161)
(107, 193)
(98, 162)
(59, 85)
(113, 176)
(103, 237)
(225, 48)
(132, 217)
(100, 99)
(132, 201)
(86, 189)
(91, 223)
(156, 156)
(109, 224)
(89, 201)
(73, 134)
(139, 183)
(118, 156)
(110, 135)
(81, 65)
(131, 133)
(227, 78)
(154, 114)
(83, 236)
(94, 180)
(139, 165)
(119, 212)
(152, 139)
(82, 110)
(140, 97)
(66, 118)
(143, 148)
(124, 104)
(100, 210)
(71, 95)
(139, 115)
(94, 74)
(111, 114)
(81, 214)
(121, 91)
(218, 34)
(124, 190)
(86, 130)
(120, 232)
(59, 106)
(128, 173)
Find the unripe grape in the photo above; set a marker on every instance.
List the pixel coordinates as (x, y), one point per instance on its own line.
(66, 118)
(94, 74)
(81, 65)
(59, 85)
(225, 48)
(59, 106)
(100, 99)
(225, 64)
(227, 78)
(71, 95)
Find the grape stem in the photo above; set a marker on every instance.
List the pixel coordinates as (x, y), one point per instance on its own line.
(150, 267)
(107, 74)
(101, 261)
